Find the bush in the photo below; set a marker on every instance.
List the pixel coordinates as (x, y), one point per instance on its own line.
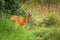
(50, 21)
(11, 7)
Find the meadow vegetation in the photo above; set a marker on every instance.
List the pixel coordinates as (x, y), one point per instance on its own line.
(44, 23)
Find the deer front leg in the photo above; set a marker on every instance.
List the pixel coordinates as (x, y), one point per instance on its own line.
(25, 24)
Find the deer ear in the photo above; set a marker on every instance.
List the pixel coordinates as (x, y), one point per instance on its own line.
(29, 12)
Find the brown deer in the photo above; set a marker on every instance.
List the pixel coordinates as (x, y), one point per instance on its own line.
(21, 20)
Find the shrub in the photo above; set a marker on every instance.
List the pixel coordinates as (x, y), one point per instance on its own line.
(50, 21)
(11, 7)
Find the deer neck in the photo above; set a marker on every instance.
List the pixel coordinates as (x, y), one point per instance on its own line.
(27, 18)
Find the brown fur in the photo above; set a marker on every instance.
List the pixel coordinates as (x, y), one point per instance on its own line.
(20, 20)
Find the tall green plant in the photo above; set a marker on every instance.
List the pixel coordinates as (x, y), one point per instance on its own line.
(9, 32)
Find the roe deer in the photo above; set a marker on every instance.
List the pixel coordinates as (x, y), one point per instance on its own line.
(21, 20)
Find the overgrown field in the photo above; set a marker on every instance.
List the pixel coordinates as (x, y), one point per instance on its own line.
(44, 24)
(39, 28)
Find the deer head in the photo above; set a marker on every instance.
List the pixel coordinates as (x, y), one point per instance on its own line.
(29, 13)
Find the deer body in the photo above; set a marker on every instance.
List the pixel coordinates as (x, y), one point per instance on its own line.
(21, 20)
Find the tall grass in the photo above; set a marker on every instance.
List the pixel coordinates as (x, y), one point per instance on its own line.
(8, 31)
(44, 33)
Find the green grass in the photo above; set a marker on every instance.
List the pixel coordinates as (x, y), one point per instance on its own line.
(44, 33)
(9, 32)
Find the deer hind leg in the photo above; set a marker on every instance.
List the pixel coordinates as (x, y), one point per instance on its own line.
(17, 25)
